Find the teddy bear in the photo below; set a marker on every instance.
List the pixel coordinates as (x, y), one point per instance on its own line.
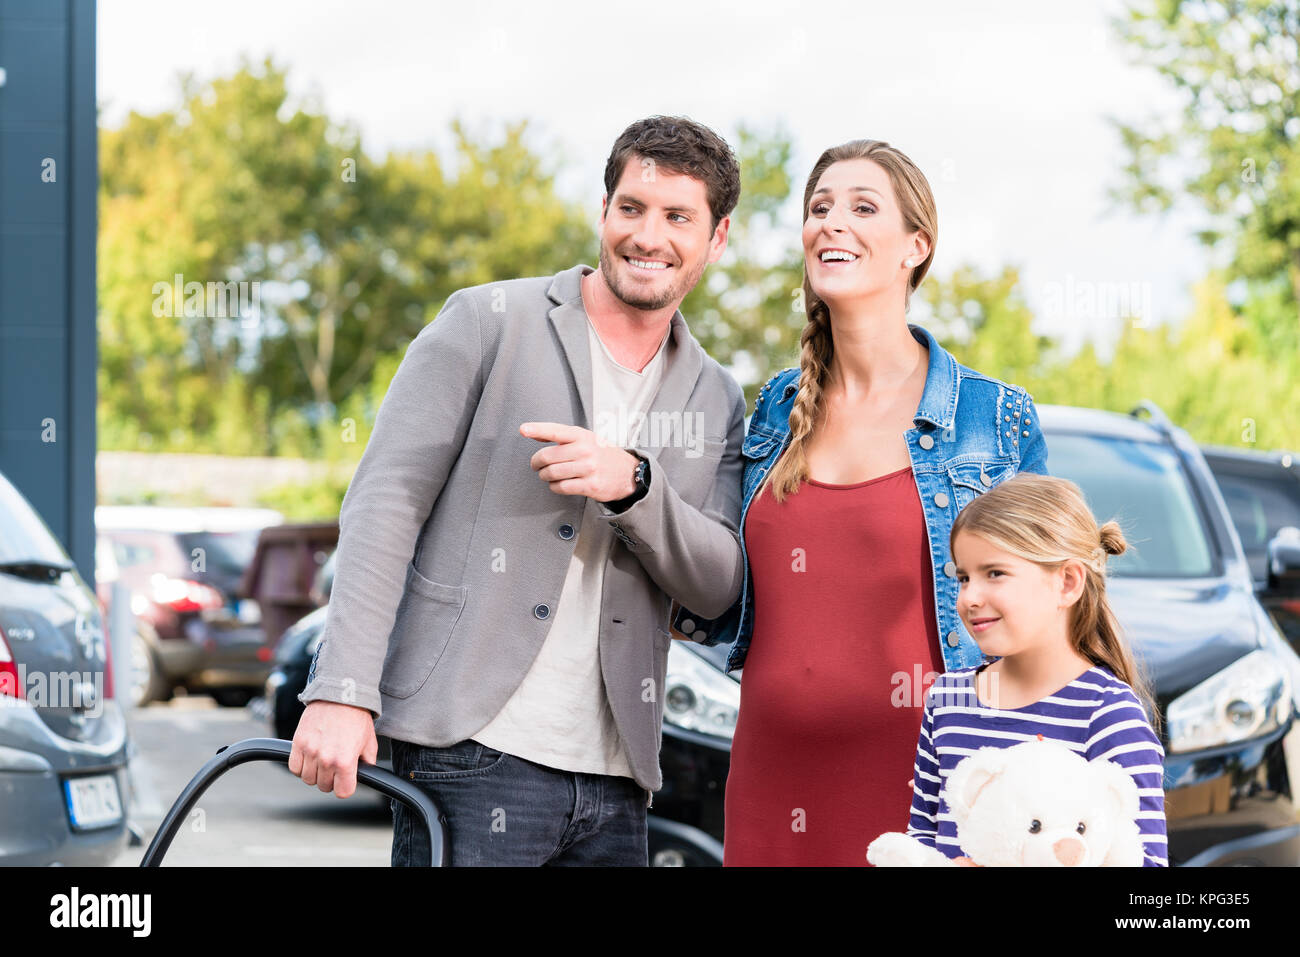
(1034, 804)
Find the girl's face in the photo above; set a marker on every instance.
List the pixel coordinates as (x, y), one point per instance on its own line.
(854, 240)
(1010, 605)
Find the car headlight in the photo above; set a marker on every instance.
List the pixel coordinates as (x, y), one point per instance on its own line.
(1249, 698)
(697, 696)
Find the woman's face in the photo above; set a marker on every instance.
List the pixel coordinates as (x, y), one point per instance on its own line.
(854, 240)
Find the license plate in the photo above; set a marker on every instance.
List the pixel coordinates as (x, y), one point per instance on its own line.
(93, 801)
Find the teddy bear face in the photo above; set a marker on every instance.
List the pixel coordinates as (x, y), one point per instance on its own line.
(1014, 823)
(1038, 804)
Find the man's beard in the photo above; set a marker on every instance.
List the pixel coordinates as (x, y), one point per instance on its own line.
(646, 301)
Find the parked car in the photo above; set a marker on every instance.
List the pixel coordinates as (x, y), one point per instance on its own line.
(183, 567)
(64, 746)
(1262, 491)
(1224, 678)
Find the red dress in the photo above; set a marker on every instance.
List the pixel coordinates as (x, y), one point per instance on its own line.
(844, 645)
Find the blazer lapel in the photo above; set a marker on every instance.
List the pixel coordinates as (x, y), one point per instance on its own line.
(682, 355)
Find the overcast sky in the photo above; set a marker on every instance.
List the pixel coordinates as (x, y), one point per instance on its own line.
(1002, 105)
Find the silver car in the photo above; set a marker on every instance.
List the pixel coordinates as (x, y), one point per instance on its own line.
(64, 789)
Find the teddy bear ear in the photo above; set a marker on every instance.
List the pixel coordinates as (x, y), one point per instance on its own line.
(1120, 787)
(970, 777)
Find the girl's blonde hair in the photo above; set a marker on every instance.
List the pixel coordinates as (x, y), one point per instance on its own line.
(916, 206)
(1046, 520)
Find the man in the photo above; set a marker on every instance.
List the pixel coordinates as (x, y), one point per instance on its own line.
(505, 573)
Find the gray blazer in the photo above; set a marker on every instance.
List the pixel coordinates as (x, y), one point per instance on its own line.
(452, 552)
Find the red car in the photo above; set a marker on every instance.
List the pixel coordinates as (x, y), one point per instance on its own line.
(183, 568)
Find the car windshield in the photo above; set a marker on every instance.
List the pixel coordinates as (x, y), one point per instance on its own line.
(24, 537)
(1143, 486)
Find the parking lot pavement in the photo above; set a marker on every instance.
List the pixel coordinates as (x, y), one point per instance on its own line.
(257, 814)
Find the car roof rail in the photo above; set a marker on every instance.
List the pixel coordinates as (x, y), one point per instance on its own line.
(1155, 415)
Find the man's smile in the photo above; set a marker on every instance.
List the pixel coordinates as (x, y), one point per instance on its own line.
(646, 265)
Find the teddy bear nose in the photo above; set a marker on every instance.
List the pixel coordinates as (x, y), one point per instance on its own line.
(1069, 851)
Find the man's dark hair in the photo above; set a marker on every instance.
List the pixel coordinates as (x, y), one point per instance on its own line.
(678, 145)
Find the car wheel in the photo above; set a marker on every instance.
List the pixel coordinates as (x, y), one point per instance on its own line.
(232, 697)
(145, 676)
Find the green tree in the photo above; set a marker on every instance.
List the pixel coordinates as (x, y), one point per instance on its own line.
(985, 322)
(746, 310)
(351, 258)
(1233, 150)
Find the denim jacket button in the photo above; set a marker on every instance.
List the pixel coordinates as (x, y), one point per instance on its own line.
(953, 640)
(926, 442)
(984, 479)
(950, 569)
(941, 500)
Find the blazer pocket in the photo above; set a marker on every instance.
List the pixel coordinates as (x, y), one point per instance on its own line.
(706, 449)
(426, 617)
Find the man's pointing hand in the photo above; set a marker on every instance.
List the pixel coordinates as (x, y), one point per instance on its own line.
(579, 463)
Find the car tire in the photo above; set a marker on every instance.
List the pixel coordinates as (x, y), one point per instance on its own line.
(148, 681)
(232, 697)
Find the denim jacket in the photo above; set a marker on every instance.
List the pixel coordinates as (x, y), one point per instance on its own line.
(971, 432)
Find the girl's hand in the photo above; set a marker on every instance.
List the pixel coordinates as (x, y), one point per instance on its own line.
(965, 862)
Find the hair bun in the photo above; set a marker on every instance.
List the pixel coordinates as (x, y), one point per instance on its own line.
(1112, 539)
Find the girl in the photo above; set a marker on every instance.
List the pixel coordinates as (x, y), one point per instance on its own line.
(1031, 569)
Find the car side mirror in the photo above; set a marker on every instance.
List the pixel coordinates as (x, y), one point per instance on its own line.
(1284, 563)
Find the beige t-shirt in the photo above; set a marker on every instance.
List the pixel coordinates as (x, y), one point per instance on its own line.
(559, 716)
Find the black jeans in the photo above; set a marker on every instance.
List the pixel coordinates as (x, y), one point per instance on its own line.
(503, 810)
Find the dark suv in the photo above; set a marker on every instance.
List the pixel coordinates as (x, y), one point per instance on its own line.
(1262, 491)
(1224, 677)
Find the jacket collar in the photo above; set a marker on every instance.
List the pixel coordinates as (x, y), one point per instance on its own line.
(683, 356)
(939, 400)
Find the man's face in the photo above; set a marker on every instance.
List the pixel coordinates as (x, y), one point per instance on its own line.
(656, 236)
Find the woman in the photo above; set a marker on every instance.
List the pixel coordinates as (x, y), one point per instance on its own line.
(856, 465)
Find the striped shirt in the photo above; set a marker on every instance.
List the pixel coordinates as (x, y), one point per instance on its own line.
(1096, 715)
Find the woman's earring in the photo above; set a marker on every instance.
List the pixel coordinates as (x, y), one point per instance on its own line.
(907, 263)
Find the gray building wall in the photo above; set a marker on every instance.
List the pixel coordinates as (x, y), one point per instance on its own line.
(48, 186)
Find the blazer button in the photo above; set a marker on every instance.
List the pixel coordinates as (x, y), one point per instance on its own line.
(941, 500)
(566, 531)
(688, 626)
(950, 569)
(926, 441)
(953, 640)
(541, 611)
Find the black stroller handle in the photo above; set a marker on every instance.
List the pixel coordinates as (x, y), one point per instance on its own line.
(278, 749)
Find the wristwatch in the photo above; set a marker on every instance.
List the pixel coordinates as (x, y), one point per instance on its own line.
(640, 477)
